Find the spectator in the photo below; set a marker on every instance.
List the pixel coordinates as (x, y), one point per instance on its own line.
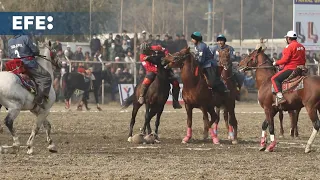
(157, 41)
(112, 52)
(177, 43)
(125, 46)
(95, 45)
(150, 39)
(68, 53)
(128, 59)
(124, 35)
(118, 64)
(106, 46)
(143, 37)
(237, 57)
(170, 45)
(183, 42)
(78, 55)
(57, 46)
(249, 81)
(274, 56)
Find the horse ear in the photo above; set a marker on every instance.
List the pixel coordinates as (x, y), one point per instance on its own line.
(49, 43)
(260, 49)
(188, 49)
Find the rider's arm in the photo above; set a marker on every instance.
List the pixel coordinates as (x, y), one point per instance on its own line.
(35, 50)
(232, 54)
(201, 55)
(285, 57)
(153, 59)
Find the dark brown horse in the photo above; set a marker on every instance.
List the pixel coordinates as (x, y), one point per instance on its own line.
(305, 94)
(156, 98)
(196, 94)
(227, 77)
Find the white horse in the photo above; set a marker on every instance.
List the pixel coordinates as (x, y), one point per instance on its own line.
(16, 98)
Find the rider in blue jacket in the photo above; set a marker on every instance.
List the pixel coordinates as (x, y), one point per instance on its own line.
(22, 47)
(237, 76)
(206, 61)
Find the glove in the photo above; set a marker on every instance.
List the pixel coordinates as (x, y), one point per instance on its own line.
(274, 63)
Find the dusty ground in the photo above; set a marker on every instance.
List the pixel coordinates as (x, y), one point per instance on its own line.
(93, 145)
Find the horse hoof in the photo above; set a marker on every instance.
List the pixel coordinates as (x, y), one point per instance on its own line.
(1, 130)
(186, 140)
(52, 148)
(130, 139)
(30, 151)
(263, 148)
(308, 149)
(271, 147)
(234, 142)
(99, 108)
(215, 140)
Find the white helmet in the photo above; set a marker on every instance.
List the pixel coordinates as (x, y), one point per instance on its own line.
(291, 34)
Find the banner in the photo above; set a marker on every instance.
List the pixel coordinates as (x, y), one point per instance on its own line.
(306, 15)
(126, 90)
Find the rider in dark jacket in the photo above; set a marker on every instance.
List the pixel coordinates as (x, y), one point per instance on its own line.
(22, 47)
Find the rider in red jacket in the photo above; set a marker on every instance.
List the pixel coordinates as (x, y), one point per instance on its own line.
(151, 72)
(293, 56)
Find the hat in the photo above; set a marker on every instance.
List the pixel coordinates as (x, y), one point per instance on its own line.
(196, 36)
(291, 34)
(221, 37)
(144, 32)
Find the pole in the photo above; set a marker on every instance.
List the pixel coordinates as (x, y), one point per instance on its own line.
(152, 28)
(213, 13)
(121, 12)
(90, 28)
(102, 81)
(135, 46)
(222, 22)
(183, 17)
(272, 27)
(241, 19)
(209, 30)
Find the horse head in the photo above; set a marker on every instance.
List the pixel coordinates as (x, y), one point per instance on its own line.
(50, 54)
(224, 58)
(255, 59)
(177, 59)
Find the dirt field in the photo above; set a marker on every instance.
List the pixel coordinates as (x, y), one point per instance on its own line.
(93, 145)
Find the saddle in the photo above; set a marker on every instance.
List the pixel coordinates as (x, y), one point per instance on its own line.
(295, 81)
(16, 66)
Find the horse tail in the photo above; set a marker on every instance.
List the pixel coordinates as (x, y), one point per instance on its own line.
(128, 101)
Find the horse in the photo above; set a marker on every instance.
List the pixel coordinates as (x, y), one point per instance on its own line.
(155, 99)
(301, 91)
(196, 94)
(15, 96)
(74, 80)
(227, 77)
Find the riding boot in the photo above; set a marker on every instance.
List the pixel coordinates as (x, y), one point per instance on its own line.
(238, 92)
(175, 98)
(143, 91)
(280, 99)
(39, 99)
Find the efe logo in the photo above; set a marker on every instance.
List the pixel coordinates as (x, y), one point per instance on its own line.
(23, 22)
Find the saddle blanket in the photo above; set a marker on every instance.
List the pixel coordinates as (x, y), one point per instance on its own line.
(290, 86)
(28, 84)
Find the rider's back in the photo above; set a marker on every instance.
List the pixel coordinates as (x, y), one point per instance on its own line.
(293, 55)
(21, 46)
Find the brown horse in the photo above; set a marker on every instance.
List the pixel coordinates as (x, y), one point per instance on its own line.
(227, 75)
(196, 94)
(156, 98)
(305, 93)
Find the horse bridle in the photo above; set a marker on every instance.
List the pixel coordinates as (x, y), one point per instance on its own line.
(255, 63)
(52, 55)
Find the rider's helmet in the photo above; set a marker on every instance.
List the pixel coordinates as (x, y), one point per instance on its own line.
(291, 34)
(196, 36)
(221, 37)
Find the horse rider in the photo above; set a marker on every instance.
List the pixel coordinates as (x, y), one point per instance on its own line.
(22, 47)
(237, 76)
(151, 72)
(293, 56)
(208, 64)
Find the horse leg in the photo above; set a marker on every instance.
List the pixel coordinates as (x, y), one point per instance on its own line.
(281, 123)
(136, 107)
(270, 116)
(296, 132)
(213, 131)
(263, 140)
(67, 95)
(148, 118)
(233, 127)
(189, 123)
(12, 115)
(47, 126)
(96, 96)
(205, 123)
(227, 123)
(157, 123)
(312, 112)
(40, 119)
